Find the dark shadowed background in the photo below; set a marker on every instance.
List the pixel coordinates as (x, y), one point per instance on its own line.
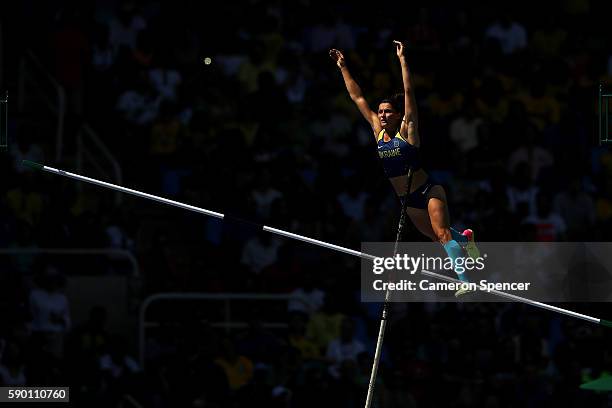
(121, 91)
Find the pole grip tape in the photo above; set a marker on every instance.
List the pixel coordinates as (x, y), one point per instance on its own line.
(606, 323)
(32, 164)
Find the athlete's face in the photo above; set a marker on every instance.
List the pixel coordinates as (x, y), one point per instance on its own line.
(388, 116)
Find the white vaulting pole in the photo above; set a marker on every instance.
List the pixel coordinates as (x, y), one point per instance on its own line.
(302, 238)
(385, 312)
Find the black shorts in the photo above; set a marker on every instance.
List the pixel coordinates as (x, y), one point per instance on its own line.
(418, 198)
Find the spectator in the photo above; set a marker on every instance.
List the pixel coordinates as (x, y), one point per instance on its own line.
(292, 76)
(324, 325)
(139, 104)
(264, 194)
(168, 134)
(25, 148)
(25, 200)
(577, 209)
(119, 370)
(322, 36)
(549, 225)
(101, 84)
(125, 26)
(280, 277)
(353, 199)
(548, 40)
(238, 368)
(491, 104)
(537, 158)
(374, 226)
(164, 78)
(423, 35)
(522, 193)
(50, 311)
(103, 55)
(12, 367)
(72, 49)
(297, 337)
(116, 232)
(464, 129)
(23, 239)
(307, 298)
(259, 252)
(543, 109)
(510, 34)
(344, 348)
(249, 70)
(116, 362)
(445, 102)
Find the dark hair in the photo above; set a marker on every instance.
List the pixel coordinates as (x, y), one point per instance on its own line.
(396, 100)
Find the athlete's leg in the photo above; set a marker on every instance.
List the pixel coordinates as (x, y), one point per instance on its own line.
(432, 220)
(420, 219)
(438, 214)
(440, 224)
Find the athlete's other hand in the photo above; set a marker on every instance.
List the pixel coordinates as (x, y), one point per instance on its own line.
(399, 48)
(338, 58)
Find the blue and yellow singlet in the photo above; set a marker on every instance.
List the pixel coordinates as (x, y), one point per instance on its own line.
(397, 155)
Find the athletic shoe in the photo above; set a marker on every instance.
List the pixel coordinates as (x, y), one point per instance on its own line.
(463, 291)
(470, 247)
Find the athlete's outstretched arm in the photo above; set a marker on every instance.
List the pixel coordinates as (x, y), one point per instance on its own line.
(410, 124)
(355, 91)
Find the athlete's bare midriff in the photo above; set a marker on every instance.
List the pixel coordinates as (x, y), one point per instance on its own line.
(399, 182)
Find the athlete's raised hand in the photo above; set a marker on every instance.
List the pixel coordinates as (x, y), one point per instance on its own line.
(399, 49)
(338, 58)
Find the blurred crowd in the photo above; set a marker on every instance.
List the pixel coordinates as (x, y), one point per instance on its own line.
(239, 109)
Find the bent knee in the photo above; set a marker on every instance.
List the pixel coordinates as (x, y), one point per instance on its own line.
(443, 235)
